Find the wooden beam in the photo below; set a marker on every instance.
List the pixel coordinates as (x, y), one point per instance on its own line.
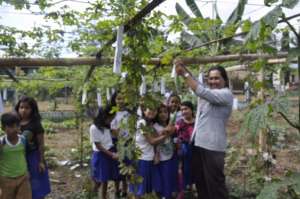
(60, 62)
(35, 78)
(244, 67)
(39, 62)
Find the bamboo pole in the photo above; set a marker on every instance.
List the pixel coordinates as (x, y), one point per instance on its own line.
(262, 132)
(60, 62)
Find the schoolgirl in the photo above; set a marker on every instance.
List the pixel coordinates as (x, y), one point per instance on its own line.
(184, 128)
(28, 111)
(104, 161)
(119, 127)
(166, 172)
(146, 138)
(173, 104)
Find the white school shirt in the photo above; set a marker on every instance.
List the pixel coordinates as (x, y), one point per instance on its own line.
(165, 148)
(121, 117)
(146, 148)
(102, 136)
(178, 116)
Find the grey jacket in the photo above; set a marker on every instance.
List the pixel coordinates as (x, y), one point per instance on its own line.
(214, 109)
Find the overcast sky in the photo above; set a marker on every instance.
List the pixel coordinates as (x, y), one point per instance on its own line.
(254, 10)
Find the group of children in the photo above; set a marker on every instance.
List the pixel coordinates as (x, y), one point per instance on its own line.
(23, 171)
(163, 139)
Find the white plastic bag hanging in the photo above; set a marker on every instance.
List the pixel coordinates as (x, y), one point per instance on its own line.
(155, 86)
(118, 51)
(143, 87)
(84, 95)
(1, 104)
(108, 94)
(176, 79)
(173, 73)
(5, 94)
(99, 97)
(162, 86)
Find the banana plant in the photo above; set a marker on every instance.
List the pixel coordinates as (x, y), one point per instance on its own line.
(204, 29)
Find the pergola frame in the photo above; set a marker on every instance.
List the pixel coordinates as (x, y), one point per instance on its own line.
(91, 61)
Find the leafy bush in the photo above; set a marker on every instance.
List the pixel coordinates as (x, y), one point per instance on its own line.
(287, 188)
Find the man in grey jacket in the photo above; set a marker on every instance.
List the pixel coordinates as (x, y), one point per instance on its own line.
(209, 136)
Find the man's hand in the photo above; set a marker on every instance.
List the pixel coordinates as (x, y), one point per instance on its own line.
(180, 67)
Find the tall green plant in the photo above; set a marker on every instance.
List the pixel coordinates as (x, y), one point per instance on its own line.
(205, 29)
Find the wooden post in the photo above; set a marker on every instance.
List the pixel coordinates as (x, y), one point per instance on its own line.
(17, 73)
(81, 141)
(262, 132)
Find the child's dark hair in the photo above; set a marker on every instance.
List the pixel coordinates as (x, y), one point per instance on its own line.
(188, 104)
(113, 102)
(9, 119)
(162, 105)
(103, 114)
(35, 114)
(173, 95)
(149, 122)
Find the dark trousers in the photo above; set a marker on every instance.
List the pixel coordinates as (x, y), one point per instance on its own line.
(208, 173)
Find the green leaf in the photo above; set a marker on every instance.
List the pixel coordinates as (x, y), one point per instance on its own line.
(293, 52)
(271, 190)
(42, 4)
(194, 8)
(237, 13)
(256, 119)
(192, 40)
(246, 26)
(258, 85)
(182, 14)
(290, 3)
(269, 2)
(258, 65)
(271, 18)
(259, 27)
(254, 31)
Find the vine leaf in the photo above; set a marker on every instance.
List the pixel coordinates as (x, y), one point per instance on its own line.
(289, 3)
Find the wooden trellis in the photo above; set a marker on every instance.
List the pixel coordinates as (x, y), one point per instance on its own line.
(60, 62)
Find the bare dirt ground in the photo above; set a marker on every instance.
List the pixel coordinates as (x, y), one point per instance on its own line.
(69, 184)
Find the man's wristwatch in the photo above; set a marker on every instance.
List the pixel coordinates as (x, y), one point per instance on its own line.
(186, 74)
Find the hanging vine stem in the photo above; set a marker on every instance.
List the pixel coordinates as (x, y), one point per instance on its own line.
(296, 126)
(128, 26)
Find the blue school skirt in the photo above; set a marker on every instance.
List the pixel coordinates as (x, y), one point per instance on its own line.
(103, 167)
(40, 184)
(166, 177)
(145, 169)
